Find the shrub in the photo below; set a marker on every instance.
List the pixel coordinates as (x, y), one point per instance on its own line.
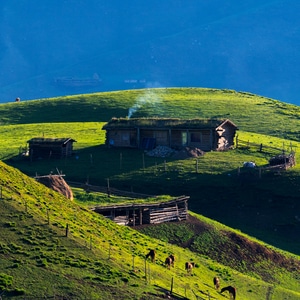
(125, 279)
(5, 281)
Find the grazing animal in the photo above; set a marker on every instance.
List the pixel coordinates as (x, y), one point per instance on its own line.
(216, 283)
(151, 254)
(170, 261)
(231, 290)
(189, 266)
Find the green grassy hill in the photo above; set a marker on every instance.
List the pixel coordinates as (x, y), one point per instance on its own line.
(51, 247)
(265, 207)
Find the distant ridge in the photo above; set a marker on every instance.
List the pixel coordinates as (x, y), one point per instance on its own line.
(76, 82)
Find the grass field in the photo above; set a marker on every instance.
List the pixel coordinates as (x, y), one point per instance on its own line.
(97, 259)
(264, 207)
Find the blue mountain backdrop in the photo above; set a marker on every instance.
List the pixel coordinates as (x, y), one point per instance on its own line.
(59, 47)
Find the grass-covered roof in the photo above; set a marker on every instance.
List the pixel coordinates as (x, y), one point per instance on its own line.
(52, 141)
(164, 122)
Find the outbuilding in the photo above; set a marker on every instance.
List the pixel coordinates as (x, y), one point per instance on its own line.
(147, 133)
(133, 214)
(40, 147)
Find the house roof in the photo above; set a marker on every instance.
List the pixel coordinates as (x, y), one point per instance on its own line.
(49, 141)
(135, 205)
(125, 123)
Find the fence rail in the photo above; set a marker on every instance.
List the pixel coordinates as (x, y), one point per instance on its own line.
(109, 190)
(264, 148)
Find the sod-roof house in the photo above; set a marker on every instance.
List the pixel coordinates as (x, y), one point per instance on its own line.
(40, 147)
(147, 133)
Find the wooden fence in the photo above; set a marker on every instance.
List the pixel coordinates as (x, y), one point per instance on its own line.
(263, 147)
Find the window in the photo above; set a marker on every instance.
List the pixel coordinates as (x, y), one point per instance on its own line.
(125, 136)
(196, 137)
(184, 138)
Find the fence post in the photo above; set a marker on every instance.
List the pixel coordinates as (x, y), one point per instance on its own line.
(149, 274)
(172, 282)
(133, 262)
(260, 148)
(67, 230)
(108, 188)
(109, 251)
(48, 218)
(259, 173)
(146, 270)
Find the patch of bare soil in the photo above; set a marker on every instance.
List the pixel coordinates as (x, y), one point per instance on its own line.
(188, 152)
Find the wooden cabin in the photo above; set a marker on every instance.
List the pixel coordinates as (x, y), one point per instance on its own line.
(147, 133)
(146, 213)
(40, 147)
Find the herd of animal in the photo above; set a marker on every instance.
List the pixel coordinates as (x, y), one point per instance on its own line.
(170, 261)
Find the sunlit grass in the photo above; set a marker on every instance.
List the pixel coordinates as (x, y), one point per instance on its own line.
(211, 181)
(96, 251)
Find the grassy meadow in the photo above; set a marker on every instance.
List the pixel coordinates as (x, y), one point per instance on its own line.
(51, 247)
(260, 120)
(264, 207)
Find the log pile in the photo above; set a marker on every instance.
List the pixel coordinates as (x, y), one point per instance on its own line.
(121, 220)
(165, 214)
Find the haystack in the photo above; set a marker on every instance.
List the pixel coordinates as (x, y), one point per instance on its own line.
(56, 183)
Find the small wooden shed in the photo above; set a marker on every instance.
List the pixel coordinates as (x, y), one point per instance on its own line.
(146, 213)
(40, 147)
(147, 133)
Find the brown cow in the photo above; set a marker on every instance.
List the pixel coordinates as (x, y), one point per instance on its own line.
(231, 290)
(216, 282)
(170, 261)
(152, 254)
(189, 266)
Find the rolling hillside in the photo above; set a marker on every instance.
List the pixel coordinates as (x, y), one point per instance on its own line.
(264, 207)
(50, 247)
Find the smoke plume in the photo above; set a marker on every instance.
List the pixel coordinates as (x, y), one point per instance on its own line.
(149, 98)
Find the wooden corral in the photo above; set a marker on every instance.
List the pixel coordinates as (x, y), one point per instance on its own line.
(287, 160)
(40, 147)
(146, 213)
(147, 133)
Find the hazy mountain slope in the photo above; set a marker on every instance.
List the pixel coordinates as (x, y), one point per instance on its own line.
(246, 46)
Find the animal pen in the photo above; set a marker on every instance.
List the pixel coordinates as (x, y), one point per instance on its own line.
(134, 214)
(278, 162)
